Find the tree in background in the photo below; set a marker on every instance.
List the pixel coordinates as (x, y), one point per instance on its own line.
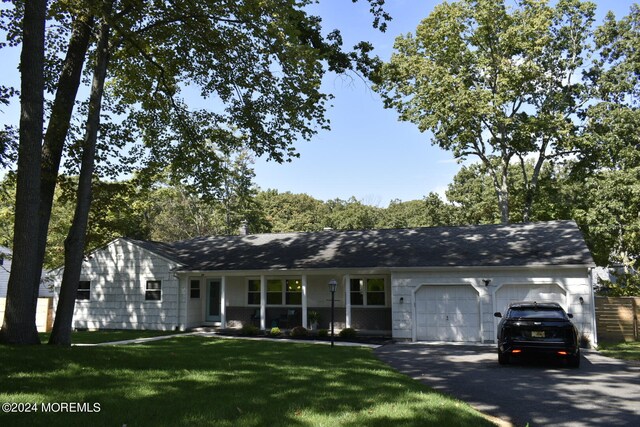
(609, 164)
(177, 212)
(472, 191)
(351, 214)
(497, 83)
(431, 211)
(286, 212)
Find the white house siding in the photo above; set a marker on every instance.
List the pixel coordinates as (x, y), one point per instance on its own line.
(574, 281)
(5, 269)
(118, 275)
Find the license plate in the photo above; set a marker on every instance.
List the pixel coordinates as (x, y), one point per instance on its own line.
(537, 334)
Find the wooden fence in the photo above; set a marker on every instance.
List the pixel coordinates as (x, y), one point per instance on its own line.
(617, 318)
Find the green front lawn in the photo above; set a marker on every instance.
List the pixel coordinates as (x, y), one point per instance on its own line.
(625, 350)
(203, 381)
(95, 337)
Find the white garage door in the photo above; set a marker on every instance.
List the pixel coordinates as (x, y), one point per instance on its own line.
(447, 313)
(540, 293)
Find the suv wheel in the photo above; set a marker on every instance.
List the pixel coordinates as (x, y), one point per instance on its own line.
(574, 361)
(503, 359)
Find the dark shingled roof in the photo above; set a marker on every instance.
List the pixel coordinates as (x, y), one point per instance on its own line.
(547, 243)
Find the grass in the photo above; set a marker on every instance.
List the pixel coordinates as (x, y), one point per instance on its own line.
(95, 337)
(218, 382)
(625, 350)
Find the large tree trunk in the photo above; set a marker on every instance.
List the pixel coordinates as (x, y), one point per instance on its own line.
(75, 242)
(61, 111)
(531, 188)
(500, 177)
(503, 195)
(19, 325)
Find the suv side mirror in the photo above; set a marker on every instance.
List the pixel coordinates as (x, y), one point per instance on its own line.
(497, 314)
(570, 316)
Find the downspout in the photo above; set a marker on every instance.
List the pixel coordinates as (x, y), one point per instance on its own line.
(223, 302)
(347, 301)
(304, 301)
(593, 308)
(179, 326)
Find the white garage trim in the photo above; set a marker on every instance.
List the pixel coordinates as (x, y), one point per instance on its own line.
(479, 335)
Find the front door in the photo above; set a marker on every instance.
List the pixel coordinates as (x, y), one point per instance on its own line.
(213, 301)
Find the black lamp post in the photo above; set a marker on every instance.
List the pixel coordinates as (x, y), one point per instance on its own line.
(332, 288)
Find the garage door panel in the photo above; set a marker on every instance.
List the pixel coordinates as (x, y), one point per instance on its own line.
(540, 293)
(447, 313)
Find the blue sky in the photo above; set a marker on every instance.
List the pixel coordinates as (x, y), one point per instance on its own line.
(368, 153)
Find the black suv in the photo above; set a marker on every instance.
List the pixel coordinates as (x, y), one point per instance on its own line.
(542, 328)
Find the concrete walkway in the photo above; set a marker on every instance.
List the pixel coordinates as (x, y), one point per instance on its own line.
(216, 335)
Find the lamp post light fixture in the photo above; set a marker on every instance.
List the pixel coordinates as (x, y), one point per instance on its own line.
(332, 288)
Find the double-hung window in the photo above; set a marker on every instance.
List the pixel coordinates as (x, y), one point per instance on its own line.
(153, 291)
(279, 292)
(194, 288)
(274, 292)
(84, 291)
(253, 296)
(293, 294)
(367, 291)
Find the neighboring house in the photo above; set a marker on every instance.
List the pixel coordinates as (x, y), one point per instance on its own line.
(5, 269)
(440, 283)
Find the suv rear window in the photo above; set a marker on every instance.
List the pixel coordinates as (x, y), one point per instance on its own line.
(536, 313)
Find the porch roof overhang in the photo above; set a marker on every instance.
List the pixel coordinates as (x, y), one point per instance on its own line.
(375, 271)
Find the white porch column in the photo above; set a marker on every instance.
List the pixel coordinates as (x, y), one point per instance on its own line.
(347, 300)
(223, 302)
(180, 313)
(304, 301)
(263, 302)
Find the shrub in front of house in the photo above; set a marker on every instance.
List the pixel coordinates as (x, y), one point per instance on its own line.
(348, 333)
(299, 331)
(323, 333)
(275, 332)
(249, 330)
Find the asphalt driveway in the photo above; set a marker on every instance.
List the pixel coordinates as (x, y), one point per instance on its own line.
(602, 392)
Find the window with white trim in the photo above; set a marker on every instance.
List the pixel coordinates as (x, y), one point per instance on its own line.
(153, 291)
(84, 290)
(274, 292)
(368, 291)
(194, 288)
(279, 292)
(293, 295)
(253, 294)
